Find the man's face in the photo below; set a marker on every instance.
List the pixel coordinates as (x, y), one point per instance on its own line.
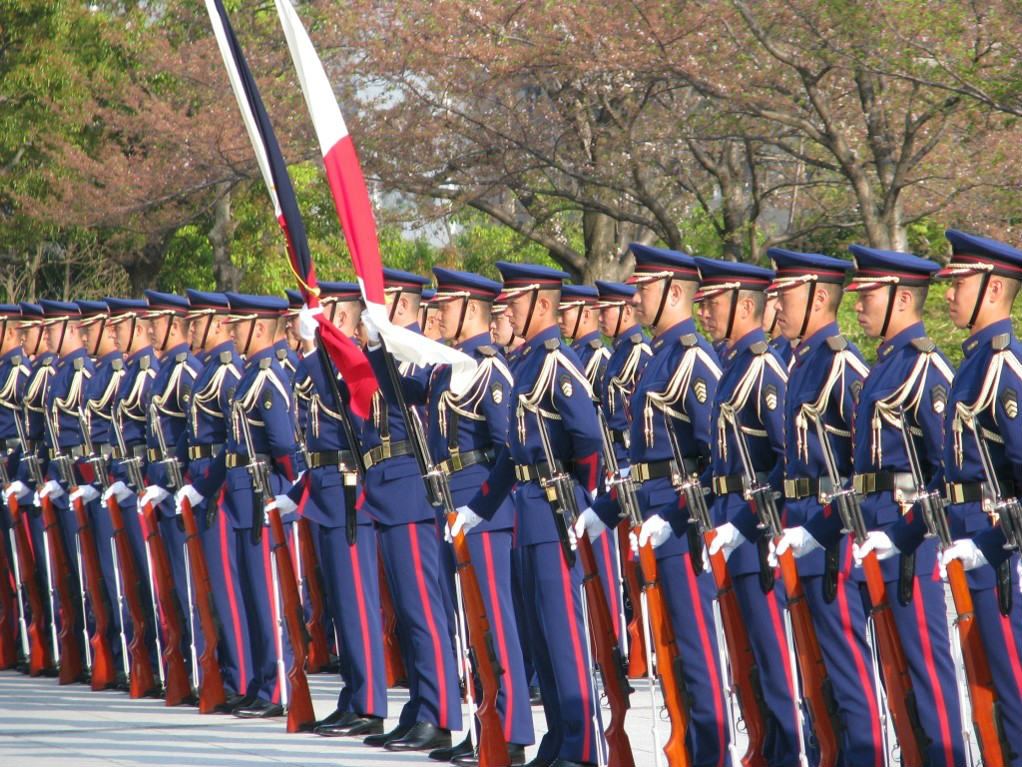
(961, 298)
(518, 308)
(715, 312)
(501, 332)
(609, 316)
(567, 320)
(871, 308)
(448, 315)
(158, 330)
(55, 333)
(431, 325)
(647, 300)
(790, 306)
(240, 333)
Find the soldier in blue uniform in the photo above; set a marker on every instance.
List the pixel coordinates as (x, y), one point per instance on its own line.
(674, 391)
(264, 394)
(825, 377)
(547, 380)
(396, 499)
(910, 376)
(579, 320)
(429, 315)
(344, 536)
(466, 431)
(982, 404)
(750, 397)
(206, 407)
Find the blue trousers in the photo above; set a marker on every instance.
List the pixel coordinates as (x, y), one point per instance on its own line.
(411, 561)
(553, 618)
(102, 532)
(352, 586)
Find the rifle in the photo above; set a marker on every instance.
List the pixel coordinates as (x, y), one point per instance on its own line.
(70, 658)
(657, 624)
(986, 711)
(103, 672)
(816, 682)
(901, 697)
(560, 493)
(300, 714)
(176, 682)
(142, 680)
(1005, 511)
(744, 669)
(39, 657)
(211, 684)
(492, 745)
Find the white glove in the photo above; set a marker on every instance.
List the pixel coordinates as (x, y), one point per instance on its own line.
(119, 491)
(588, 522)
(17, 488)
(283, 504)
(465, 520)
(307, 323)
(727, 539)
(153, 494)
(963, 549)
(655, 531)
(876, 541)
(52, 489)
(798, 539)
(86, 492)
(372, 332)
(190, 493)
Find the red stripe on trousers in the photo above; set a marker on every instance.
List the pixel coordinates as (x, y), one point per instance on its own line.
(931, 671)
(708, 654)
(576, 643)
(427, 609)
(363, 622)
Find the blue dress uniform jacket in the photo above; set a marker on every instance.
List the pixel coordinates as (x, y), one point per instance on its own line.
(629, 356)
(101, 395)
(170, 392)
(782, 347)
(825, 377)
(14, 373)
(140, 370)
(65, 394)
(593, 353)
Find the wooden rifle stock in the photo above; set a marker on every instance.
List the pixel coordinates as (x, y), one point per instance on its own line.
(492, 746)
(211, 685)
(71, 664)
(900, 696)
(632, 576)
(178, 685)
(986, 715)
(39, 660)
(143, 682)
(394, 662)
(744, 671)
(300, 714)
(668, 659)
(608, 656)
(104, 674)
(816, 684)
(312, 575)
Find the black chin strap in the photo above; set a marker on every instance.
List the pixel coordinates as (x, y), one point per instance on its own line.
(63, 332)
(99, 336)
(166, 333)
(731, 314)
(578, 321)
(979, 299)
(528, 317)
(461, 318)
(131, 334)
(251, 332)
(891, 291)
(205, 333)
(38, 341)
(663, 302)
(620, 317)
(393, 306)
(805, 317)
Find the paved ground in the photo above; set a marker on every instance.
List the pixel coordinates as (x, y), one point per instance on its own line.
(43, 724)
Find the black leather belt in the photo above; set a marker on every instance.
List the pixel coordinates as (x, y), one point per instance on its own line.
(644, 471)
(153, 454)
(195, 452)
(136, 450)
(242, 459)
(387, 450)
(732, 483)
(70, 451)
(528, 472)
(104, 449)
(797, 488)
(319, 458)
(620, 437)
(464, 459)
(881, 481)
(963, 492)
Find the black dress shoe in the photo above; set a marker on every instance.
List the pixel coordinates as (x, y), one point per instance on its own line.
(450, 754)
(351, 726)
(423, 736)
(336, 717)
(535, 699)
(236, 701)
(569, 763)
(514, 750)
(380, 739)
(539, 762)
(260, 709)
(121, 683)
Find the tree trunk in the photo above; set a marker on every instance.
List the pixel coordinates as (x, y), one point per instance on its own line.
(227, 274)
(145, 267)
